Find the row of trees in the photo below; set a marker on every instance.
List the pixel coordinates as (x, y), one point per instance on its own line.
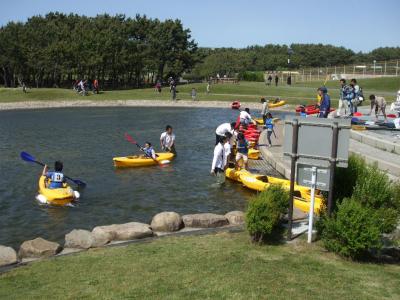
(274, 57)
(57, 49)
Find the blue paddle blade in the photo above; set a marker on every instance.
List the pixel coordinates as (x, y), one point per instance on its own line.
(27, 157)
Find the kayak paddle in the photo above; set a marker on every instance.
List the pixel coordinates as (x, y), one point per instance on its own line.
(29, 158)
(132, 141)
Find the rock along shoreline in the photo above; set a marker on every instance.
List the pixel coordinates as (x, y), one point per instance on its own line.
(78, 240)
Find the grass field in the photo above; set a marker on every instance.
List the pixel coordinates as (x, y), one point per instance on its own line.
(220, 266)
(244, 91)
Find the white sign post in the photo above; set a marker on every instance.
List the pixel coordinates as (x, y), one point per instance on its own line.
(311, 213)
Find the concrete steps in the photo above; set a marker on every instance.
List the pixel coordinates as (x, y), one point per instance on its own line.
(385, 160)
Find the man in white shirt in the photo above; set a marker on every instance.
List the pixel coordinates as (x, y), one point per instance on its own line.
(245, 117)
(222, 130)
(167, 140)
(219, 160)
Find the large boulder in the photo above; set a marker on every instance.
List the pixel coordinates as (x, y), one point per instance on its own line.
(205, 220)
(8, 256)
(167, 221)
(235, 217)
(38, 248)
(84, 239)
(123, 232)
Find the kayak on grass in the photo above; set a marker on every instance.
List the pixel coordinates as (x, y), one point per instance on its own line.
(141, 160)
(59, 196)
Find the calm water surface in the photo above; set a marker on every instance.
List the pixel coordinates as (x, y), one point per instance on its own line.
(86, 139)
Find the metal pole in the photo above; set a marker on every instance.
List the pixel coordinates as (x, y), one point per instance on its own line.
(335, 138)
(295, 125)
(311, 212)
(397, 67)
(385, 67)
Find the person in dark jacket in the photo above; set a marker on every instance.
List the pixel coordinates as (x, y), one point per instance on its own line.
(325, 104)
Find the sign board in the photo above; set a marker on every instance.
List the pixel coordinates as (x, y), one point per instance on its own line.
(315, 140)
(304, 173)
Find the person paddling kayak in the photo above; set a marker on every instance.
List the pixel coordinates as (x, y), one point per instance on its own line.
(167, 140)
(56, 177)
(149, 151)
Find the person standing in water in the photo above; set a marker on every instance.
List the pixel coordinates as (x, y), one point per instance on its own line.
(167, 140)
(219, 161)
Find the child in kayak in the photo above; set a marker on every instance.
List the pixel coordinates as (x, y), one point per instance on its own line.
(242, 150)
(149, 151)
(167, 140)
(269, 125)
(56, 177)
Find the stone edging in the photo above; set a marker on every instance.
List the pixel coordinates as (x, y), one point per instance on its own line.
(78, 240)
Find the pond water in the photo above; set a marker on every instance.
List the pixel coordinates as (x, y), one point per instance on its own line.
(86, 140)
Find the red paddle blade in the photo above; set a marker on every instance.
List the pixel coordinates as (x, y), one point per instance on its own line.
(129, 138)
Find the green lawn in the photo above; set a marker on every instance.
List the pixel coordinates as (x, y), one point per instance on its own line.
(244, 91)
(220, 266)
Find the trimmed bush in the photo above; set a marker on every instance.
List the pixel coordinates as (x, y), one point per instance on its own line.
(367, 206)
(265, 212)
(353, 231)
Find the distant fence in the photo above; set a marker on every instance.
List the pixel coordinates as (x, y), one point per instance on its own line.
(361, 70)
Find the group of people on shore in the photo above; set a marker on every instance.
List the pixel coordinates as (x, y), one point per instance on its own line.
(231, 145)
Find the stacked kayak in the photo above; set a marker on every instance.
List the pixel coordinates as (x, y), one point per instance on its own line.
(260, 183)
(141, 160)
(310, 109)
(59, 196)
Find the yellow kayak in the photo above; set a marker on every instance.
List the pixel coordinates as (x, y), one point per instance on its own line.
(304, 205)
(261, 182)
(60, 197)
(234, 174)
(141, 160)
(253, 154)
(277, 104)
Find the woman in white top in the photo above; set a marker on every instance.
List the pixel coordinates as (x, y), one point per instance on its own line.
(222, 130)
(245, 117)
(219, 160)
(167, 140)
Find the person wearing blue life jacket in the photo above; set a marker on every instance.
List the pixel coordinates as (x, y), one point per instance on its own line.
(269, 125)
(56, 177)
(149, 151)
(325, 104)
(242, 150)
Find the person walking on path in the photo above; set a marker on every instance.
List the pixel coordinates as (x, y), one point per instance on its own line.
(358, 94)
(173, 92)
(269, 125)
(379, 103)
(167, 140)
(208, 88)
(269, 79)
(193, 93)
(276, 79)
(325, 104)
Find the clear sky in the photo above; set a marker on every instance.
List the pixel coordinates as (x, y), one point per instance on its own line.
(359, 25)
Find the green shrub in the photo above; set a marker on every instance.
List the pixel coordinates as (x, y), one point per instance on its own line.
(252, 76)
(346, 178)
(352, 231)
(265, 211)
